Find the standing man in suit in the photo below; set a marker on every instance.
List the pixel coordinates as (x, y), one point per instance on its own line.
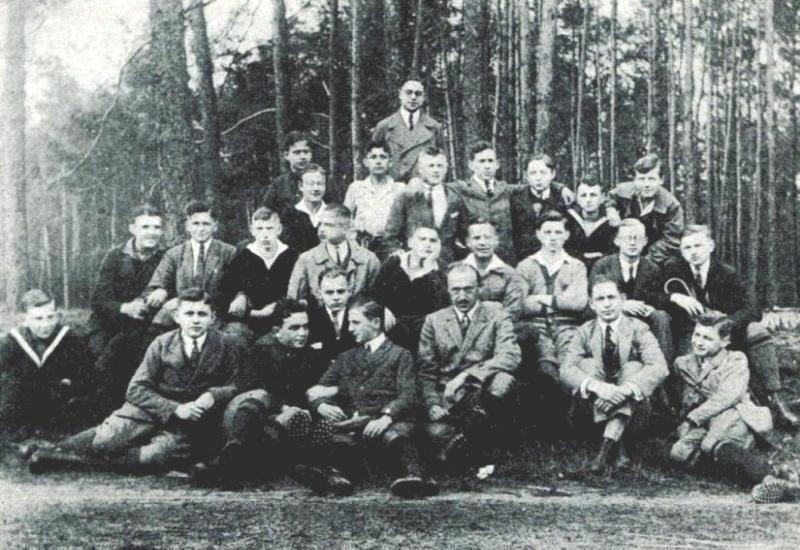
(408, 131)
(335, 249)
(174, 402)
(467, 356)
(200, 262)
(716, 286)
(284, 191)
(432, 204)
(613, 365)
(646, 199)
(640, 281)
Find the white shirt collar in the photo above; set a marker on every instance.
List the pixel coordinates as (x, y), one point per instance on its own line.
(703, 270)
(613, 324)
(343, 249)
(280, 248)
(406, 114)
(338, 316)
(196, 246)
(629, 267)
(469, 315)
(555, 265)
(314, 216)
(494, 264)
(188, 343)
(482, 183)
(376, 342)
(544, 195)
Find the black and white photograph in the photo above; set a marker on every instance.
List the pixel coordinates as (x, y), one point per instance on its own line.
(389, 274)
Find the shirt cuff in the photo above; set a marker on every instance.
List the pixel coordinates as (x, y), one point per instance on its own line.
(637, 393)
(584, 388)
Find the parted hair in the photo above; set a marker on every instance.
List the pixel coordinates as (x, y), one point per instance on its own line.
(339, 210)
(481, 221)
(377, 144)
(552, 216)
(600, 280)
(719, 321)
(696, 229)
(370, 308)
(294, 137)
(264, 213)
(194, 294)
(632, 223)
(546, 159)
(35, 297)
(647, 163)
(284, 308)
(197, 207)
(479, 147)
(332, 272)
(313, 168)
(145, 209)
(434, 151)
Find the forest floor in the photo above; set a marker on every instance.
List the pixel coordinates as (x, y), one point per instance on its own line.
(537, 496)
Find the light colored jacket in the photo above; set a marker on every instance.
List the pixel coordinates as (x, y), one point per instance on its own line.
(406, 144)
(361, 269)
(570, 286)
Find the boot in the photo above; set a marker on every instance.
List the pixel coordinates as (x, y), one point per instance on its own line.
(53, 460)
(783, 416)
(412, 486)
(605, 457)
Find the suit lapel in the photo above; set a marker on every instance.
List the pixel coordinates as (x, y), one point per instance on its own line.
(213, 257)
(186, 268)
(596, 341)
(476, 326)
(453, 328)
(624, 338)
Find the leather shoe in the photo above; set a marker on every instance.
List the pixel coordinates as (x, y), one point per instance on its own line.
(783, 416)
(605, 457)
(323, 482)
(414, 487)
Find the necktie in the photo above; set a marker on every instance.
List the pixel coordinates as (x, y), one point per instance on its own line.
(489, 189)
(610, 357)
(410, 122)
(337, 256)
(199, 270)
(698, 280)
(336, 328)
(194, 359)
(464, 322)
(629, 274)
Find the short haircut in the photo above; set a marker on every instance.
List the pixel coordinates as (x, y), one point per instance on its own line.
(264, 213)
(370, 308)
(479, 147)
(198, 207)
(590, 181)
(599, 280)
(339, 210)
(719, 321)
(145, 209)
(647, 163)
(332, 272)
(433, 151)
(194, 294)
(546, 159)
(696, 230)
(284, 308)
(35, 297)
(294, 137)
(552, 216)
(313, 169)
(416, 228)
(412, 78)
(632, 223)
(377, 144)
(461, 267)
(481, 221)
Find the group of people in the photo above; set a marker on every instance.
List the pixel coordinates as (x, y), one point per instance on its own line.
(403, 328)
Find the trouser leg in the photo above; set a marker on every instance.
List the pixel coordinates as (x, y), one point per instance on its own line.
(741, 463)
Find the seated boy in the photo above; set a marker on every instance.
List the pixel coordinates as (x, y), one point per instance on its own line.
(612, 366)
(117, 303)
(720, 420)
(557, 293)
(174, 402)
(644, 198)
(370, 199)
(45, 373)
(374, 381)
(301, 221)
(270, 417)
(591, 234)
(334, 250)
(256, 278)
(198, 263)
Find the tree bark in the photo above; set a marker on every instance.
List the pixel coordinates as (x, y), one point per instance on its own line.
(279, 42)
(770, 238)
(333, 98)
(477, 71)
(544, 75)
(419, 20)
(612, 140)
(525, 75)
(355, 85)
(755, 192)
(652, 26)
(211, 170)
(671, 102)
(579, 104)
(690, 198)
(17, 256)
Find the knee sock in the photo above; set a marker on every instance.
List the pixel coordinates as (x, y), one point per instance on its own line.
(742, 462)
(79, 443)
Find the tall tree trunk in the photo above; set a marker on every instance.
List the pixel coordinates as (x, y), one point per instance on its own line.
(709, 213)
(770, 238)
(211, 171)
(755, 192)
(65, 279)
(355, 84)
(544, 75)
(175, 162)
(671, 101)
(730, 116)
(690, 198)
(525, 75)
(795, 205)
(17, 257)
(612, 143)
(653, 20)
(333, 99)
(477, 68)
(579, 141)
(280, 39)
(419, 21)
(599, 89)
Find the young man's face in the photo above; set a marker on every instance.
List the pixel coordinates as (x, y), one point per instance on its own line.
(312, 187)
(194, 318)
(553, 235)
(332, 229)
(482, 240)
(606, 301)
(648, 183)
(146, 231)
(362, 328)
(589, 198)
(377, 161)
(463, 289)
(432, 168)
(412, 95)
(630, 241)
(201, 226)
(266, 232)
(335, 293)
(696, 248)
(706, 341)
(42, 320)
(539, 175)
(484, 164)
(424, 243)
(293, 332)
(298, 155)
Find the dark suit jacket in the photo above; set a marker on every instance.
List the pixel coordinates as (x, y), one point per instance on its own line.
(282, 193)
(488, 347)
(406, 145)
(410, 209)
(725, 292)
(648, 285)
(321, 332)
(175, 271)
(166, 379)
(525, 217)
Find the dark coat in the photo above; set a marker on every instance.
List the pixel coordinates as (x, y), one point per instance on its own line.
(323, 334)
(298, 231)
(647, 286)
(525, 215)
(589, 247)
(283, 193)
(496, 209)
